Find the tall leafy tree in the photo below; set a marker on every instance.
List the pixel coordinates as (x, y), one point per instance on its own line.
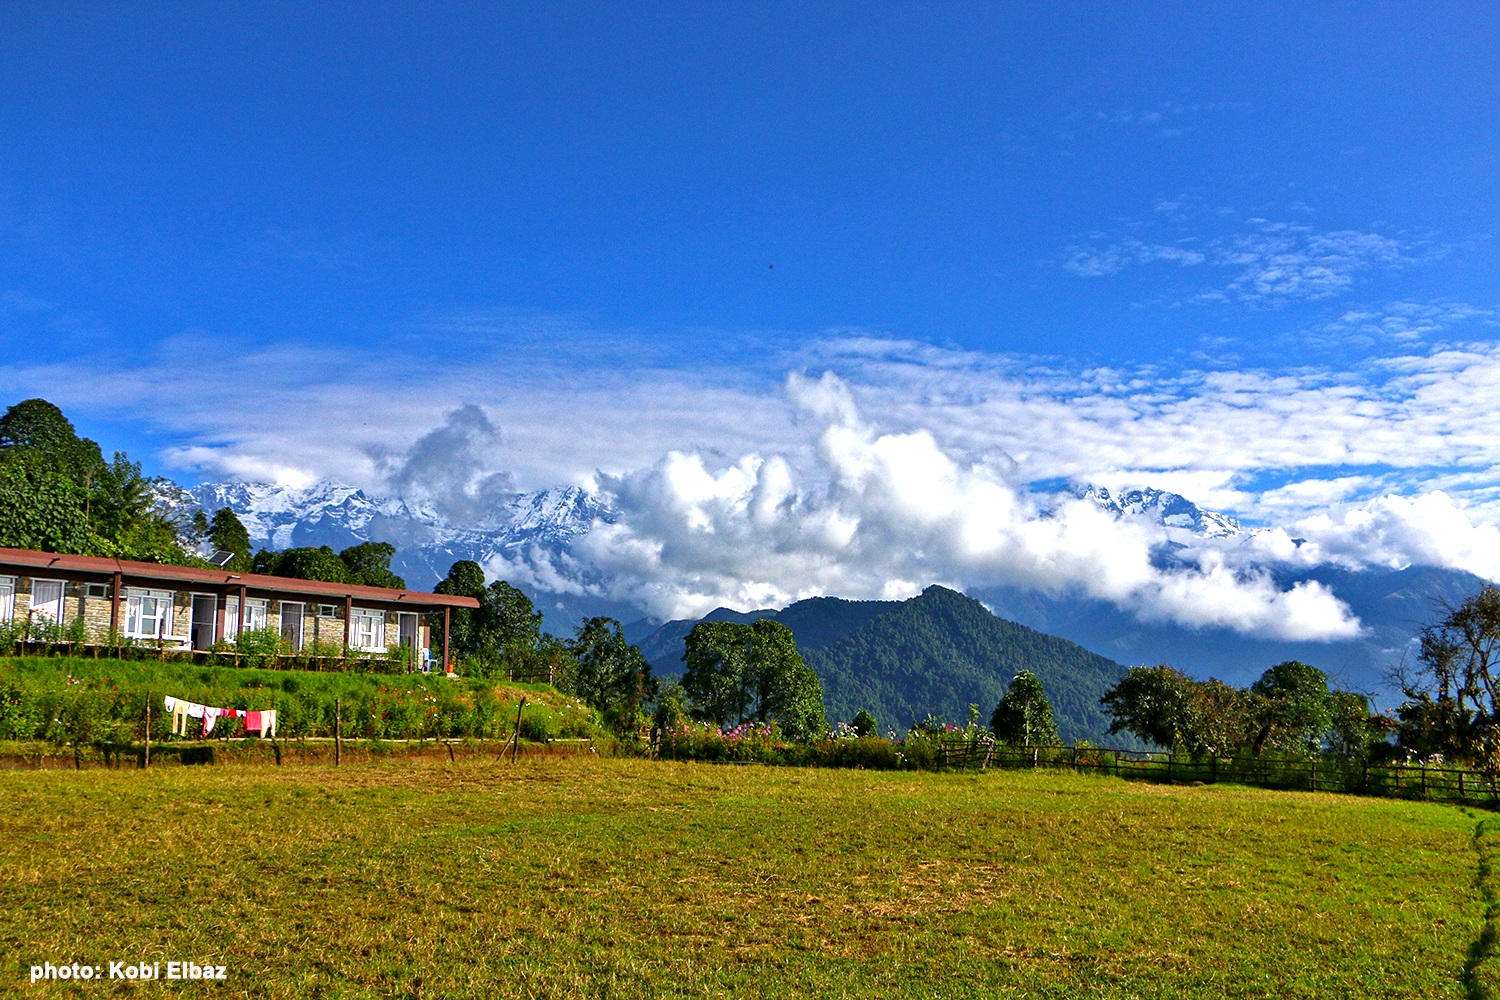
(505, 623)
(227, 534)
(1024, 715)
(369, 565)
(1453, 700)
(737, 672)
(43, 510)
(611, 674)
(303, 564)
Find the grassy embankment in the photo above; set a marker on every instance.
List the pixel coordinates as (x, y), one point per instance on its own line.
(632, 878)
(59, 701)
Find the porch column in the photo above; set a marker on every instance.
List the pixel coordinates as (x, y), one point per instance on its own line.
(447, 617)
(244, 611)
(348, 620)
(114, 603)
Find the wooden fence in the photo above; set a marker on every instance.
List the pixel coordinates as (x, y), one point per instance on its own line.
(1354, 777)
(147, 650)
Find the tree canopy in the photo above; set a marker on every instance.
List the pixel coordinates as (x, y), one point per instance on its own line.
(1290, 709)
(611, 674)
(1024, 715)
(737, 672)
(57, 494)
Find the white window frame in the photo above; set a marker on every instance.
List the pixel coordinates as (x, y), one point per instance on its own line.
(7, 597)
(255, 615)
(367, 629)
(54, 610)
(162, 608)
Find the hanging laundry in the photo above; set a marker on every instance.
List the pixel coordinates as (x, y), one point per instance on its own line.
(168, 702)
(210, 715)
(179, 718)
(195, 711)
(269, 721)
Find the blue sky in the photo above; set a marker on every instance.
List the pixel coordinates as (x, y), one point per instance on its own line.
(1246, 254)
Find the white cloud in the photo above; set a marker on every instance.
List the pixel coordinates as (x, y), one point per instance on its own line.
(1396, 532)
(883, 513)
(1273, 262)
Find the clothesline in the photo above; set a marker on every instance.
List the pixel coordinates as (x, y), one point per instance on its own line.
(262, 722)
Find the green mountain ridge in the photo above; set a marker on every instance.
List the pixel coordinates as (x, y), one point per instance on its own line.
(935, 654)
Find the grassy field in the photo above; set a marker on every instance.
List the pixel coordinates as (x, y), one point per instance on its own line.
(629, 878)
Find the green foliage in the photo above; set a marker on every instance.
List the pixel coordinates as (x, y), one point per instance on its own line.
(57, 494)
(1453, 701)
(68, 699)
(737, 672)
(1024, 716)
(1288, 710)
(303, 564)
(505, 627)
(42, 509)
(610, 674)
(864, 724)
(227, 534)
(369, 565)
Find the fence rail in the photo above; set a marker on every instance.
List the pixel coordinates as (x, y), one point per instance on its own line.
(148, 650)
(1356, 777)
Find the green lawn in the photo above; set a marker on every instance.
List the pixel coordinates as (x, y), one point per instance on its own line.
(628, 878)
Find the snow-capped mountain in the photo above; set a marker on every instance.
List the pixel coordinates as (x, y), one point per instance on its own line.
(427, 544)
(1170, 510)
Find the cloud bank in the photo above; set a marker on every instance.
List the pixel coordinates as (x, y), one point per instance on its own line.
(884, 514)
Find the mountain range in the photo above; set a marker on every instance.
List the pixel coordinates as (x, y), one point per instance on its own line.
(538, 529)
(935, 654)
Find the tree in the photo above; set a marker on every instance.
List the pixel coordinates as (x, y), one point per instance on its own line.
(1153, 704)
(611, 674)
(303, 564)
(1451, 704)
(1293, 708)
(738, 672)
(369, 565)
(227, 534)
(1024, 715)
(505, 623)
(36, 432)
(42, 510)
(864, 724)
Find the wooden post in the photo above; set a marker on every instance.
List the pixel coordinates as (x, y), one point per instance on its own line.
(348, 623)
(338, 732)
(1424, 781)
(517, 749)
(148, 727)
(1460, 784)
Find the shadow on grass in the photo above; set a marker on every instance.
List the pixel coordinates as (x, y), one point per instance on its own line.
(1483, 946)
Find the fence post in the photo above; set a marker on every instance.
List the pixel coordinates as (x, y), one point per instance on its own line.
(338, 732)
(1424, 781)
(1169, 765)
(1213, 771)
(147, 760)
(1460, 784)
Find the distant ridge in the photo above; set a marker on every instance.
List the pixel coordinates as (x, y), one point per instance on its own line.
(935, 654)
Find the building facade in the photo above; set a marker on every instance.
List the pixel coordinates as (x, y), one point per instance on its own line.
(185, 608)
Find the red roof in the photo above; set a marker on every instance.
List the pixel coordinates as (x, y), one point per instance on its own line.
(27, 559)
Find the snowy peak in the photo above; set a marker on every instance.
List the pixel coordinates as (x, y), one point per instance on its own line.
(1171, 510)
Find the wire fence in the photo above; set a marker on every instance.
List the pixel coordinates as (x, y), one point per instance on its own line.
(1355, 777)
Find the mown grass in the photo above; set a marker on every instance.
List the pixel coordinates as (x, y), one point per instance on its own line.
(631, 878)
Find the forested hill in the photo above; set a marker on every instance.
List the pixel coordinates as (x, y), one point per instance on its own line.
(942, 651)
(934, 654)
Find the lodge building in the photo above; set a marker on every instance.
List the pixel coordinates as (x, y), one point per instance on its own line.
(184, 608)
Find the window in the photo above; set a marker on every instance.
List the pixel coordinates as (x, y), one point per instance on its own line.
(7, 597)
(47, 599)
(97, 590)
(255, 615)
(148, 613)
(369, 629)
(328, 611)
